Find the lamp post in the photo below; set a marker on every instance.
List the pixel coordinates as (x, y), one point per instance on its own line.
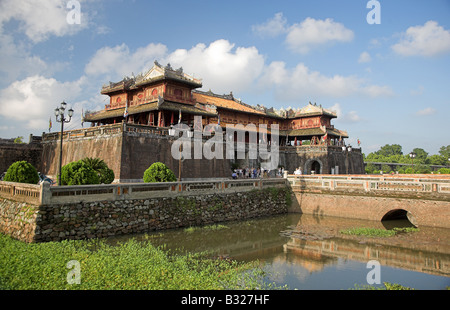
(347, 150)
(59, 112)
(412, 155)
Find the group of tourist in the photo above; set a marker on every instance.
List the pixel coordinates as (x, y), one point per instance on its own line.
(253, 173)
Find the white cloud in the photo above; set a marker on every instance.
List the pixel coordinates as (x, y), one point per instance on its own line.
(40, 19)
(427, 40)
(118, 61)
(300, 83)
(32, 101)
(350, 117)
(272, 27)
(364, 57)
(426, 111)
(222, 66)
(312, 33)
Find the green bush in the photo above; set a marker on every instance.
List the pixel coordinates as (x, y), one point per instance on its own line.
(444, 170)
(22, 172)
(105, 174)
(78, 173)
(159, 172)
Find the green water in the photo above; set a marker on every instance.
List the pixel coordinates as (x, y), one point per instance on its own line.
(306, 252)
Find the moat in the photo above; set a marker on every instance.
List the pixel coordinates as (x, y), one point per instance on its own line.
(307, 252)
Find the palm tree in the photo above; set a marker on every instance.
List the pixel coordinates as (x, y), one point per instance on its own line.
(105, 174)
(95, 163)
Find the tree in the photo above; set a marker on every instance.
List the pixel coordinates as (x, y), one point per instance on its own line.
(386, 168)
(78, 173)
(445, 151)
(370, 168)
(421, 154)
(422, 169)
(390, 149)
(105, 174)
(159, 172)
(437, 160)
(22, 172)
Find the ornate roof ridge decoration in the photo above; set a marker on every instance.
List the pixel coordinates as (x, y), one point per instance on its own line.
(157, 72)
(309, 110)
(126, 83)
(230, 97)
(314, 109)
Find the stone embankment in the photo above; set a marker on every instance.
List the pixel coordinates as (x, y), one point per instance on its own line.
(104, 218)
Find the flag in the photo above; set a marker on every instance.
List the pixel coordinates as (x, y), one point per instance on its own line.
(125, 113)
(49, 124)
(359, 142)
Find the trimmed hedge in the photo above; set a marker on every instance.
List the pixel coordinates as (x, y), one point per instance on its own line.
(159, 172)
(22, 172)
(78, 173)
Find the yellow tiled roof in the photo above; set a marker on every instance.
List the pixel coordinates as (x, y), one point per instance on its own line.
(225, 103)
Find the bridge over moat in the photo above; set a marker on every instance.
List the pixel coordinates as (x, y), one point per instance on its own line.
(423, 199)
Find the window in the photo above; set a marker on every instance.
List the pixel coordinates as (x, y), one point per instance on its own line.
(178, 92)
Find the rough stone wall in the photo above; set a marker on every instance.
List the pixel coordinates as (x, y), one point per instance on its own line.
(18, 219)
(109, 218)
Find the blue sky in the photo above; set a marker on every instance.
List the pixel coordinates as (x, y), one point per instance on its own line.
(388, 82)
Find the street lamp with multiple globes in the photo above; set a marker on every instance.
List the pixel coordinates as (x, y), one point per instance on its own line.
(59, 112)
(412, 155)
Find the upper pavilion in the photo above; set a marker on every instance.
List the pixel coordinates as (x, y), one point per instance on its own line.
(164, 96)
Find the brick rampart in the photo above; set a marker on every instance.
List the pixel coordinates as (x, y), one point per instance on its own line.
(12, 152)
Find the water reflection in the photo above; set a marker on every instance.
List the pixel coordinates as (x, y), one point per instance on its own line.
(308, 252)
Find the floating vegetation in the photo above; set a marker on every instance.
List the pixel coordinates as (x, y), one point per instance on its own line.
(377, 232)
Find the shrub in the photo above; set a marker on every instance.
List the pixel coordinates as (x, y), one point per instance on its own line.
(22, 172)
(444, 170)
(78, 173)
(159, 172)
(105, 174)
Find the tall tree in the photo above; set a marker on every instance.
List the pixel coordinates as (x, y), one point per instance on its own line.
(390, 149)
(445, 151)
(420, 153)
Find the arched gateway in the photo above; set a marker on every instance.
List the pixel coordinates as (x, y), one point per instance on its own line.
(313, 166)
